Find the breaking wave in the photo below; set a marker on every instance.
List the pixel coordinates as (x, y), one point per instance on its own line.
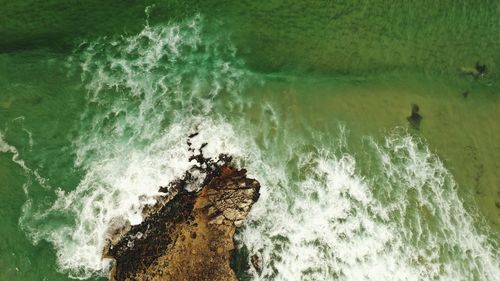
(146, 94)
(319, 216)
(402, 221)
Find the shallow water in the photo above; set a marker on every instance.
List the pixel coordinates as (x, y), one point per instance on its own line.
(311, 99)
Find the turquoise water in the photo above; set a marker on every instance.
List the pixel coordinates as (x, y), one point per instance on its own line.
(311, 99)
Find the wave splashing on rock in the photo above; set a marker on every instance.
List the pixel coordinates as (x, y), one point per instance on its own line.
(146, 94)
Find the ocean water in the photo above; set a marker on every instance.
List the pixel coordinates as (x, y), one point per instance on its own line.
(310, 98)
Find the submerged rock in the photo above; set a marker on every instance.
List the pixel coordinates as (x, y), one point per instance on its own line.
(187, 235)
(480, 68)
(415, 116)
(256, 263)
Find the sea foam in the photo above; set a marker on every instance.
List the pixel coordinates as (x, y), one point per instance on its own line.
(149, 91)
(402, 221)
(146, 94)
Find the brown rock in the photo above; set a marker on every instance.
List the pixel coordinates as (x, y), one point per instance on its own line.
(207, 218)
(257, 263)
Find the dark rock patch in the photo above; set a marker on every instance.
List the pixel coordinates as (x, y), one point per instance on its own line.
(187, 235)
(415, 118)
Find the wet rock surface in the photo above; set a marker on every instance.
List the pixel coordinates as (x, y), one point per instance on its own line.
(256, 263)
(187, 235)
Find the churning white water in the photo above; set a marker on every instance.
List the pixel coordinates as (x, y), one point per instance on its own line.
(404, 223)
(148, 92)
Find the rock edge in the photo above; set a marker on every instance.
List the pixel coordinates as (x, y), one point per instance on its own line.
(187, 235)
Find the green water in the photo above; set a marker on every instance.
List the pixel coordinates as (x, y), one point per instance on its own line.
(87, 99)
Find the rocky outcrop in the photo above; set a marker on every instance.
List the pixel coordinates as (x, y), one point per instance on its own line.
(187, 235)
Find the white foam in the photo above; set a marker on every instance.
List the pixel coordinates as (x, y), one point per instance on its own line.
(16, 158)
(147, 93)
(118, 187)
(336, 224)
